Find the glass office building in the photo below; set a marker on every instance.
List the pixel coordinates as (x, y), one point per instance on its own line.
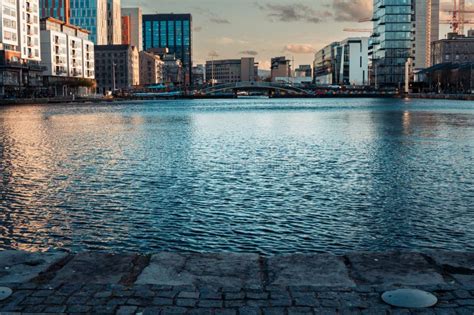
(92, 16)
(392, 41)
(172, 31)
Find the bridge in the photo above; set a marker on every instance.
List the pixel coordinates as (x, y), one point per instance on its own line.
(252, 86)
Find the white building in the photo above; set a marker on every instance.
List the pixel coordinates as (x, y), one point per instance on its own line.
(29, 29)
(352, 61)
(9, 26)
(114, 22)
(67, 54)
(20, 51)
(136, 27)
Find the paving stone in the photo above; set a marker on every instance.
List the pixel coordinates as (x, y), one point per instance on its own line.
(202, 269)
(20, 267)
(300, 311)
(103, 294)
(37, 308)
(257, 296)
(225, 312)
(462, 294)
(465, 311)
(162, 301)
(208, 295)
(55, 309)
(189, 295)
(126, 310)
(155, 310)
(247, 310)
(104, 309)
(201, 311)
(166, 294)
(234, 296)
(348, 311)
(95, 268)
(173, 310)
(77, 300)
(235, 303)
(306, 300)
(273, 311)
(139, 301)
(30, 300)
(78, 308)
(281, 302)
(186, 302)
(465, 302)
(55, 300)
(308, 270)
(325, 311)
(400, 268)
(210, 303)
(259, 303)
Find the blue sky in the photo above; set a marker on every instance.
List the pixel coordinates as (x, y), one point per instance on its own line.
(264, 28)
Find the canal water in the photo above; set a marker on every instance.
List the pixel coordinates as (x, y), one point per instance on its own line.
(253, 175)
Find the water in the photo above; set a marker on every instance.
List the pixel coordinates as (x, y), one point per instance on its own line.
(266, 176)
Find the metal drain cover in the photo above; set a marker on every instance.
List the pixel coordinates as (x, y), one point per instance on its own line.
(409, 298)
(5, 293)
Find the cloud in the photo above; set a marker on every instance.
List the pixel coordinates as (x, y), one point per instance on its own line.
(213, 53)
(212, 16)
(249, 52)
(296, 12)
(352, 10)
(228, 41)
(300, 49)
(197, 28)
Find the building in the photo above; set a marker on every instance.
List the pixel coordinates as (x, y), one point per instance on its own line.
(92, 16)
(352, 61)
(126, 31)
(403, 30)
(452, 69)
(199, 75)
(151, 68)
(20, 51)
(324, 65)
(58, 9)
(304, 71)
(67, 57)
(454, 49)
(173, 70)
(116, 67)
(172, 31)
(280, 67)
(135, 25)
(232, 70)
(114, 22)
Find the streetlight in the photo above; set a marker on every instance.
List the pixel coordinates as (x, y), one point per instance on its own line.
(113, 77)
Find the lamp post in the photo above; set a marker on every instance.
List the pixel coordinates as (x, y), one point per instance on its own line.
(113, 77)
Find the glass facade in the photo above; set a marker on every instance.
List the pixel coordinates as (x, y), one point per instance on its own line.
(172, 31)
(391, 41)
(92, 16)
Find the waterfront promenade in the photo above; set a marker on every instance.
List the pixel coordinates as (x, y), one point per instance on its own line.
(232, 284)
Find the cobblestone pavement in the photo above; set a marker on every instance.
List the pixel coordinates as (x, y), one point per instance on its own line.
(231, 284)
(156, 299)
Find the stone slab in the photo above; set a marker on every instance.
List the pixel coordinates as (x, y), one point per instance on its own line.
(393, 268)
(96, 267)
(219, 270)
(459, 265)
(19, 266)
(323, 270)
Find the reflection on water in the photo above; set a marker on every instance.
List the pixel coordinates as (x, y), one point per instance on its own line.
(267, 176)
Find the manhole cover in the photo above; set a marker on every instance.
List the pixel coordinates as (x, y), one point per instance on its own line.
(409, 298)
(5, 292)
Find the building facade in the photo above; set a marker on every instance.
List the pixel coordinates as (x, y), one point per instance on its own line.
(117, 67)
(151, 68)
(114, 22)
(20, 50)
(126, 31)
(280, 67)
(199, 75)
(403, 30)
(454, 49)
(135, 26)
(67, 57)
(172, 31)
(92, 16)
(304, 71)
(231, 70)
(58, 9)
(324, 65)
(352, 61)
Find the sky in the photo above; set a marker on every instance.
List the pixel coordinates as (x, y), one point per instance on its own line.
(264, 28)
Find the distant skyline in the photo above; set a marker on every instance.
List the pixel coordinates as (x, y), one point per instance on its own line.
(266, 28)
